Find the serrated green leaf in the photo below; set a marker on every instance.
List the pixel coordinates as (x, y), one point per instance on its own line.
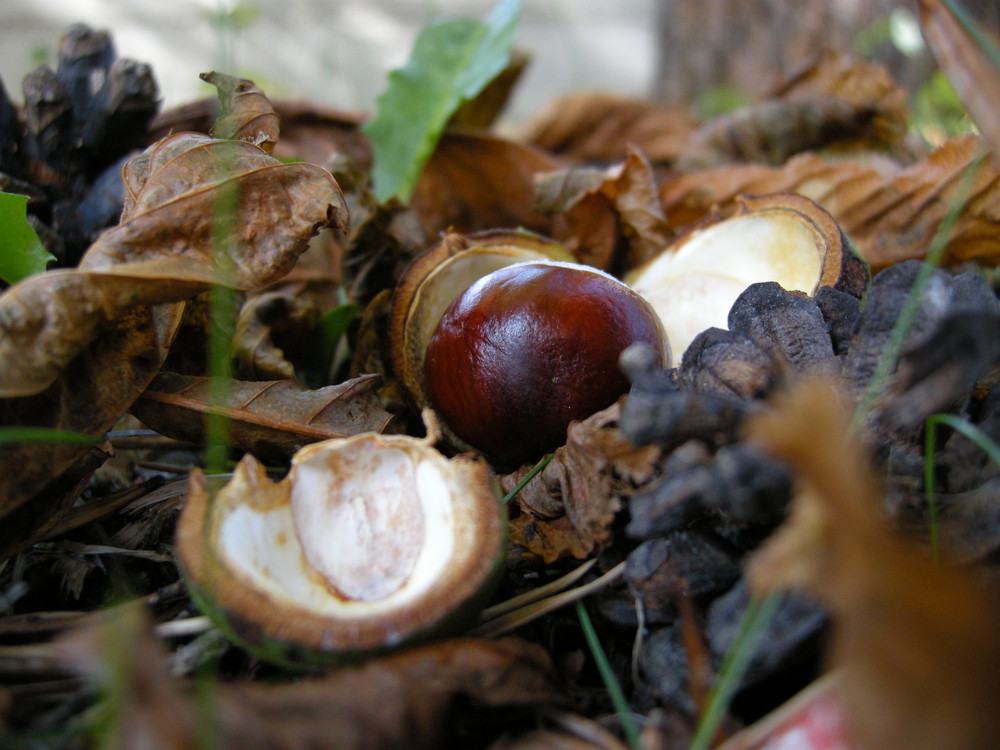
(451, 62)
(21, 252)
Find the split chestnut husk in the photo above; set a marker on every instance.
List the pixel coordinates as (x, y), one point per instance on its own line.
(781, 237)
(369, 543)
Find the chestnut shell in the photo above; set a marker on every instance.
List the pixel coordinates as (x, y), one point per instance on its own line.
(529, 348)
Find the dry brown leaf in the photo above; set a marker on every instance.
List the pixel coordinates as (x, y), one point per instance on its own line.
(270, 327)
(889, 214)
(245, 112)
(422, 698)
(80, 346)
(602, 127)
(837, 101)
(568, 508)
(774, 130)
(271, 419)
(547, 540)
(309, 131)
(597, 213)
(477, 181)
(163, 250)
(917, 642)
(975, 78)
(862, 83)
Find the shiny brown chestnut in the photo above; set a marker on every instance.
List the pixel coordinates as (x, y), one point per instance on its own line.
(529, 348)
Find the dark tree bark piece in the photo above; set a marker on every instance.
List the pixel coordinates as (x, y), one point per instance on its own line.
(787, 326)
(664, 663)
(685, 563)
(10, 135)
(671, 419)
(742, 491)
(728, 363)
(841, 311)
(49, 126)
(961, 463)
(884, 302)
(85, 57)
(791, 636)
(118, 118)
(939, 375)
(969, 522)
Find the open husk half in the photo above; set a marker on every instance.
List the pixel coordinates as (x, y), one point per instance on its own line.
(370, 542)
(435, 278)
(782, 237)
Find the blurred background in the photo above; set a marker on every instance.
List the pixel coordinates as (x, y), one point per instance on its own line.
(711, 55)
(335, 52)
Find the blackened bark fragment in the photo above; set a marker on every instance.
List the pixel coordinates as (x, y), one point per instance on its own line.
(969, 522)
(792, 634)
(787, 326)
(939, 375)
(759, 488)
(740, 488)
(10, 131)
(80, 222)
(118, 118)
(670, 419)
(85, 56)
(841, 311)
(883, 304)
(729, 363)
(48, 125)
(962, 464)
(664, 664)
(685, 563)
(641, 363)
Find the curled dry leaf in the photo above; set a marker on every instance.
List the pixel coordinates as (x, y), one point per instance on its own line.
(835, 102)
(269, 329)
(595, 210)
(271, 419)
(476, 181)
(975, 77)
(862, 83)
(246, 112)
(80, 346)
(890, 214)
(602, 127)
(568, 508)
(916, 640)
(423, 698)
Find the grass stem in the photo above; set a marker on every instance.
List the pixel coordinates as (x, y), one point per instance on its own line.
(734, 665)
(617, 695)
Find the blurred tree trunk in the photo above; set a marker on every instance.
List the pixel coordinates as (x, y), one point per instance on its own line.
(748, 45)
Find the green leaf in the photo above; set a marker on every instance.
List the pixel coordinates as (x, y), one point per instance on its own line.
(21, 252)
(451, 62)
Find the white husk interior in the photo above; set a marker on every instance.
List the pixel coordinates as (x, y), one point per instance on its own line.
(259, 540)
(694, 287)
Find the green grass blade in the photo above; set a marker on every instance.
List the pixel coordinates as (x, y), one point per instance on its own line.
(734, 665)
(527, 478)
(624, 711)
(984, 42)
(21, 252)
